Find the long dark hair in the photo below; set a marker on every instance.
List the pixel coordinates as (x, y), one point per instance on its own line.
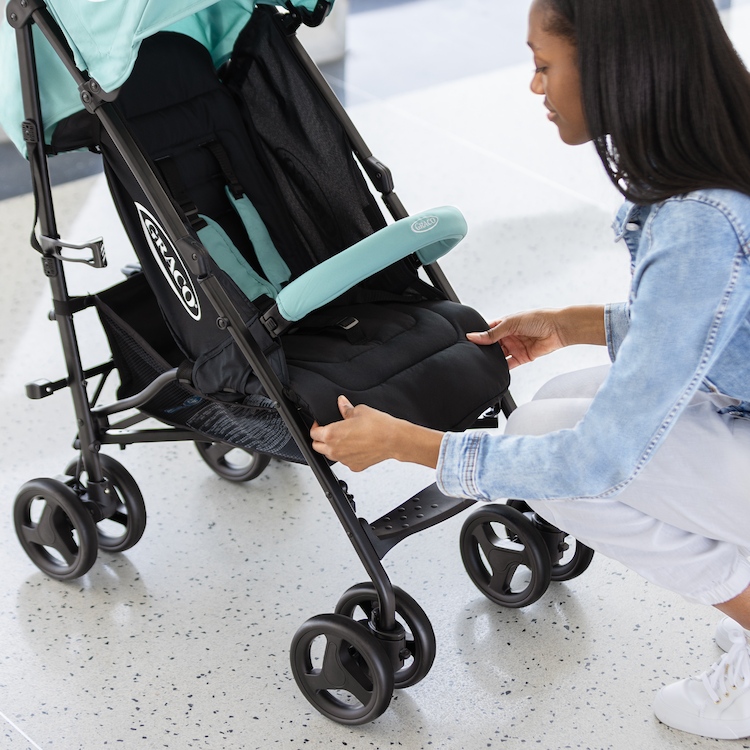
(665, 94)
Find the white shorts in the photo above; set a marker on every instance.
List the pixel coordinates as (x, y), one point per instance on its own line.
(684, 521)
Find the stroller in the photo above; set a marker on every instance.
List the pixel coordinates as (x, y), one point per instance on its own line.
(268, 282)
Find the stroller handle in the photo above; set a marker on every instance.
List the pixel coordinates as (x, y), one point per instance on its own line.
(428, 235)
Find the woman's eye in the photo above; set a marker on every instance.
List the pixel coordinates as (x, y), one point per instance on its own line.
(540, 69)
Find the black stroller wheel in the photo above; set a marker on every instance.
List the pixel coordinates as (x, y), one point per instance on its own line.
(575, 556)
(234, 464)
(505, 556)
(124, 528)
(521, 505)
(342, 669)
(573, 563)
(55, 529)
(420, 637)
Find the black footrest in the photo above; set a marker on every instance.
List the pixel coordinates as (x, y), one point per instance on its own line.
(425, 509)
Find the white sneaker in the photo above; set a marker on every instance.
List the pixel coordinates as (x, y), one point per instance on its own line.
(715, 704)
(724, 630)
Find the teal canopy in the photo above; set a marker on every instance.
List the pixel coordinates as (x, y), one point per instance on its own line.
(105, 36)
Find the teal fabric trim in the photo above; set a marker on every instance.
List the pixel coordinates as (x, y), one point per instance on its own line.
(229, 259)
(430, 235)
(105, 36)
(273, 265)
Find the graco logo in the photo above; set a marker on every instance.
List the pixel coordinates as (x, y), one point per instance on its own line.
(170, 263)
(425, 224)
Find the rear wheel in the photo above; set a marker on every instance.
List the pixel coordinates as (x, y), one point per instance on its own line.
(233, 464)
(505, 555)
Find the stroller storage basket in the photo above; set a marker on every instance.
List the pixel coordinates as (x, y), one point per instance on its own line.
(253, 425)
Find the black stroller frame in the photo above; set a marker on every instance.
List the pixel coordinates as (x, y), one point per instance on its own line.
(366, 659)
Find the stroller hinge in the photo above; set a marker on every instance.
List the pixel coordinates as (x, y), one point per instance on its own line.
(30, 132)
(310, 17)
(19, 12)
(53, 247)
(43, 388)
(379, 175)
(93, 95)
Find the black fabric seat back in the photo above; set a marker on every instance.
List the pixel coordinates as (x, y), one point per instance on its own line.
(264, 130)
(306, 187)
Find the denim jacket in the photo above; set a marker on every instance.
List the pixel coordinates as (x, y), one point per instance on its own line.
(685, 326)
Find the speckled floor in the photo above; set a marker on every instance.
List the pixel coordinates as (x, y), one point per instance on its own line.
(183, 641)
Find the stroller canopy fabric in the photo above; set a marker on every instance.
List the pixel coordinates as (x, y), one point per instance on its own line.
(105, 36)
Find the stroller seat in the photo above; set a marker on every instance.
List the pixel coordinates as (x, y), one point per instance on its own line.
(267, 216)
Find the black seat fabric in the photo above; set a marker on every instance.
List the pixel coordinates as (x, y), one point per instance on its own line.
(392, 343)
(413, 361)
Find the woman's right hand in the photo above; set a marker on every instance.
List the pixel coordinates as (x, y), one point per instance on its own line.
(524, 336)
(527, 336)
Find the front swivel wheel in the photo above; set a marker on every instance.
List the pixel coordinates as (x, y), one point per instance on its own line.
(569, 557)
(342, 669)
(124, 526)
(55, 529)
(420, 642)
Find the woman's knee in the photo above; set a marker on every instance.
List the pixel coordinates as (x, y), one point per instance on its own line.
(577, 384)
(548, 415)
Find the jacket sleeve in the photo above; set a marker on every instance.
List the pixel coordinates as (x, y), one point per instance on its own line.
(690, 292)
(616, 324)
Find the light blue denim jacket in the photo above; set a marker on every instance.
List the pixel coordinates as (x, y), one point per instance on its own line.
(686, 326)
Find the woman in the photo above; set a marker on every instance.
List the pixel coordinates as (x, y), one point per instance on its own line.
(644, 460)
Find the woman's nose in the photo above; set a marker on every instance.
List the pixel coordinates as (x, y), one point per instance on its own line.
(537, 86)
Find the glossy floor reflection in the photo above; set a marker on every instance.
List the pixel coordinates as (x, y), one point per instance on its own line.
(183, 641)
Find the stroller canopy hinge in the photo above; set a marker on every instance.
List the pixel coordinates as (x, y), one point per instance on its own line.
(93, 95)
(19, 12)
(313, 17)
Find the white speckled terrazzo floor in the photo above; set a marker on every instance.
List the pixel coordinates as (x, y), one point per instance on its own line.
(183, 641)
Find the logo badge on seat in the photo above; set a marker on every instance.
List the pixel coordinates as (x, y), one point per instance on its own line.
(169, 262)
(424, 224)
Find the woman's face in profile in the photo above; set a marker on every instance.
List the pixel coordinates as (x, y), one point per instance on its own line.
(556, 77)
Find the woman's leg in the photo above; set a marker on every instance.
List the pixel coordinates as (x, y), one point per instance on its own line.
(681, 524)
(738, 608)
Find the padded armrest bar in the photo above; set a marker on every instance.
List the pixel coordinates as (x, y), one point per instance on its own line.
(430, 234)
